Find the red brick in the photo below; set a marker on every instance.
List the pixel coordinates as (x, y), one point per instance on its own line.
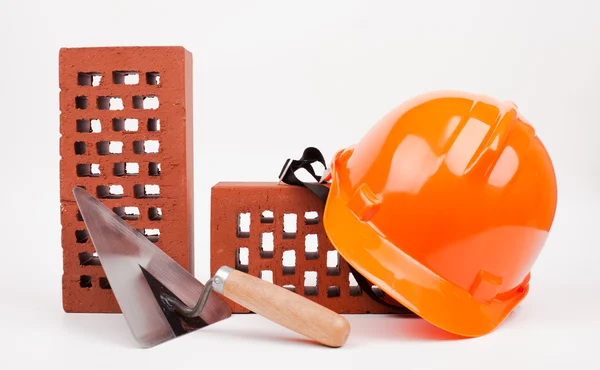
(228, 200)
(175, 155)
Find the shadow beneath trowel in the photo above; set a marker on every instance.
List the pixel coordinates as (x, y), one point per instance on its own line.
(395, 327)
(364, 330)
(302, 341)
(250, 327)
(106, 328)
(262, 336)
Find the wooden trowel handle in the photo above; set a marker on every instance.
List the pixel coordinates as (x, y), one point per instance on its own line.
(284, 307)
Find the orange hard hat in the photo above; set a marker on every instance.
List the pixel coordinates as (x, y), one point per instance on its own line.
(445, 205)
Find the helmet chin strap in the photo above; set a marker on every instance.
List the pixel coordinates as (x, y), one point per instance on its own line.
(321, 190)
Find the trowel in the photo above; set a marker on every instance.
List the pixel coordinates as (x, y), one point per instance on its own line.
(161, 300)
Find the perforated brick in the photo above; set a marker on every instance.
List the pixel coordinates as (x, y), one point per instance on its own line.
(257, 228)
(126, 136)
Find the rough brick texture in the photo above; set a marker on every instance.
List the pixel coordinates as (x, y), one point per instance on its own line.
(106, 144)
(246, 247)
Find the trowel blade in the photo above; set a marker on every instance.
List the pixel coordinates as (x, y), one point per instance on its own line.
(137, 269)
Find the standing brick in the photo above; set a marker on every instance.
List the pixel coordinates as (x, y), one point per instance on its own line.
(275, 232)
(126, 136)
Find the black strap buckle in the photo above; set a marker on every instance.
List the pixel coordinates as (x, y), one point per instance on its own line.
(309, 156)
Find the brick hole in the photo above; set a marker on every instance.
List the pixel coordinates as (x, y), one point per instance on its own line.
(289, 262)
(103, 282)
(147, 146)
(85, 281)
(154, 214)
(80, 147)
(267, 245)
(310, 283)
(289, 225)
(152, 189)
(84, 125)
(110, 103)
(132, 168)
(333, 291)
(88, 170)
(82, 236)
(115, 147)
(102, 147)
(154, 169)
(109, 147)
(89, 78)
(243, 225)
(109, 191)
(311, 246)
(378, 292)
(119, 169)
(127, 213)
(145, 102)
(146, 191)
(153, 78)
(95, 126)
(126, 77)
(152, 234)
(266, 217)
(333, 263)
(354, 288)
(267, 275)
(89, 259)
(126, 169)
(291, 288)
(153, 124)
(79, 216)
(311, 218)
(125, 124)
(81, 102)
(118, 124)
(151, 146)
(241, 259)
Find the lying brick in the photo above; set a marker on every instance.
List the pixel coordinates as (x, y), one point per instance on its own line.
(125, 123)
(275, 232)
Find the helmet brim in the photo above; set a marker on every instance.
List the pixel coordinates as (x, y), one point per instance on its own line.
(427, 294)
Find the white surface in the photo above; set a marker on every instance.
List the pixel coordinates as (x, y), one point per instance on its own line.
(270, 79)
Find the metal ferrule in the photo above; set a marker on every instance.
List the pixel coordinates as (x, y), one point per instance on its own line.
(218, 281)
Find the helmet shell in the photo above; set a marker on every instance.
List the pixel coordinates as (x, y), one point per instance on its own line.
(445, 204)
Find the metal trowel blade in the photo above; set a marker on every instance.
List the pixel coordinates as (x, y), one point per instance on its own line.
(140, 274)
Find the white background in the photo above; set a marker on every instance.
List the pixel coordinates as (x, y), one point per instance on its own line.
(272, 77)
